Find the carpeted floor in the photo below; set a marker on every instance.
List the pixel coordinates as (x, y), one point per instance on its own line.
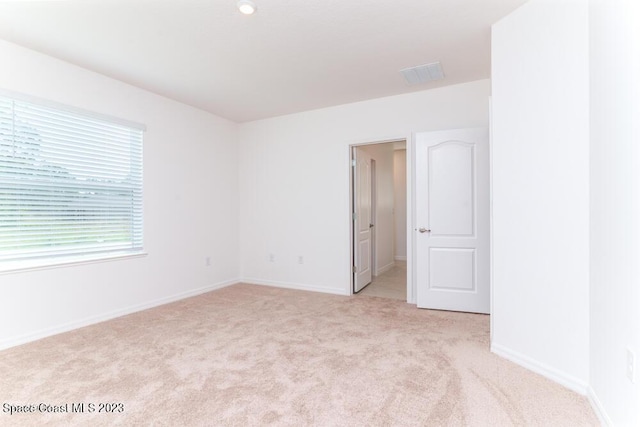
(250, 355)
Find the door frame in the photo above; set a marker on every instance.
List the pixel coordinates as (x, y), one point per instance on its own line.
(374, 220)
(410, 147)
(410, 163)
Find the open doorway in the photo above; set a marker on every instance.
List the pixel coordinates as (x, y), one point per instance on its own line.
(379, 213)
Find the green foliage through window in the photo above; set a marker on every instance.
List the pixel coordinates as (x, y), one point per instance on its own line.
(70, 183)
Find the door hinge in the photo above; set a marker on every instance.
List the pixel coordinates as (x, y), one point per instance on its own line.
(354, 269)
(353, 163)
(353, 216)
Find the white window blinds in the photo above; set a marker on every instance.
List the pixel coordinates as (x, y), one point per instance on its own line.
(70, 183)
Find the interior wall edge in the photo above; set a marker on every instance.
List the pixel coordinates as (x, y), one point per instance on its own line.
(540, 368)
(385, 268)
(91, 320)
(598, 408)
(295, 286)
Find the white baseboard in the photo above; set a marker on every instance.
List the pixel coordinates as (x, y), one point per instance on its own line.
(76, 324)
(385, 268)
(298, 286)
(540, 368)
(598, 408)
(401, 258)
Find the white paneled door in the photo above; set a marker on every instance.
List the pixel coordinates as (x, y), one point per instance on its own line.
(362, 219)
(452, 220)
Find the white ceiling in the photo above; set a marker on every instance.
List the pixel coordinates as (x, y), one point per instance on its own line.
(292, 55)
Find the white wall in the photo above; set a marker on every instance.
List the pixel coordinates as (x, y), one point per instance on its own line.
(384, 223)
(190, 206)
(615, 207)
(400, 203)
(294, 179)
(540, 190)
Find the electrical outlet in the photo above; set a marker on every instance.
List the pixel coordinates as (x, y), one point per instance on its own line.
(631, 365)
(300, 259)
(272, 258)
(207, 261)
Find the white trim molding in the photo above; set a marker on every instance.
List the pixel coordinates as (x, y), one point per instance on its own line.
(77, 324)
(385, 268)
(598, 408)
(546, 371)
(67, 261)
(297, 286)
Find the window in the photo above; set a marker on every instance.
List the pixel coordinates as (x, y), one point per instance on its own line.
(70, 182)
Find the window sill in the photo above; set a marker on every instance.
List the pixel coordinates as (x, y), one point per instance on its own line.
(43, 264)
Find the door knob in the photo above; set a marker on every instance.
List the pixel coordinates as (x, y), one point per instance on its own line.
(424, 230)
(370, 225)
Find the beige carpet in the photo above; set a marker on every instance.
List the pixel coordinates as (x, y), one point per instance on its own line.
(250, 355)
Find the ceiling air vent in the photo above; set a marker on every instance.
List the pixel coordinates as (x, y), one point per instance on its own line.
(423, 73)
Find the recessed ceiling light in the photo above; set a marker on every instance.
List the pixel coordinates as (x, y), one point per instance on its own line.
(247, 7)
